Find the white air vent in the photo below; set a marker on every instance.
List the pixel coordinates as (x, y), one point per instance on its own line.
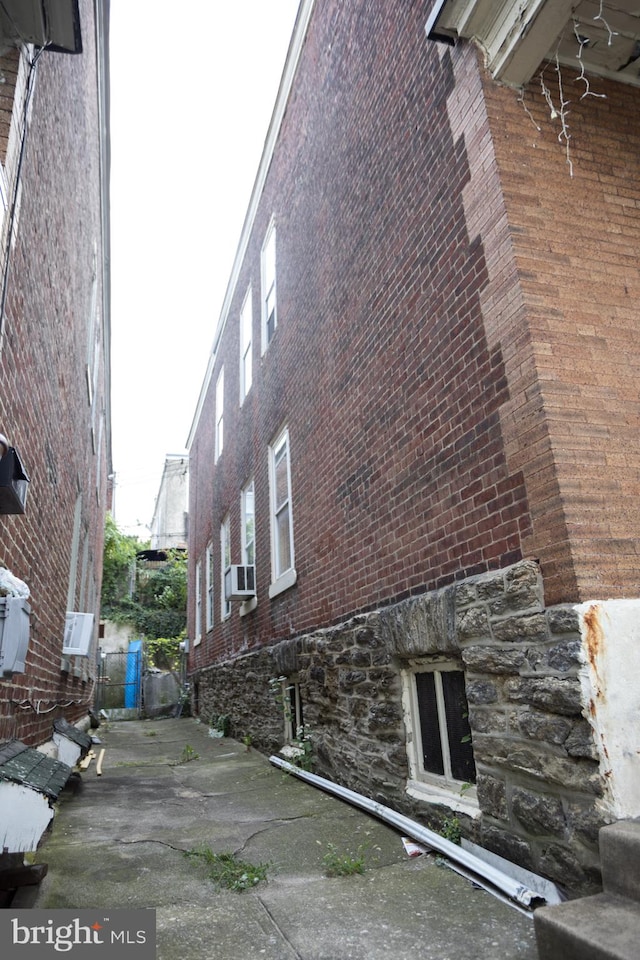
(78, 634)
(240, 582)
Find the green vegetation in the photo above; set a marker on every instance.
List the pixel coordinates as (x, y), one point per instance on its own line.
(451, 830)
(163, 652)
(223, 724)
(152, 599)
(225, 870)
(343, 864)
(119, 558)
(188, 754)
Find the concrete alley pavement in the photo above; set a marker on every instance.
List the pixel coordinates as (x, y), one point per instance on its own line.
(120, 840)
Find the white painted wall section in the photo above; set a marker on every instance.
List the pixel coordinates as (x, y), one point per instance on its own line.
(610, 681)
(25, 814)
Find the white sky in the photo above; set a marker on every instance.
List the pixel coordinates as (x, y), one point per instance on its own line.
(192, 90)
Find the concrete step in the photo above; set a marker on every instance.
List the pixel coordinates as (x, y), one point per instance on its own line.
(603, 927)
(620, 859)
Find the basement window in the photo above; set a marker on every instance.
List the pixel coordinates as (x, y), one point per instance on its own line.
(292, 703)
(439, 746)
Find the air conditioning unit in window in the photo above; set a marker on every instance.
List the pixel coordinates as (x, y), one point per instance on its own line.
(78, 634)
(14, 635)
(240, 582)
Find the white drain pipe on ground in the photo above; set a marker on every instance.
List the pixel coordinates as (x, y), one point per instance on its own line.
(488, 876)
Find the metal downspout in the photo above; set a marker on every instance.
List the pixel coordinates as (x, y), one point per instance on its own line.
(510, 888)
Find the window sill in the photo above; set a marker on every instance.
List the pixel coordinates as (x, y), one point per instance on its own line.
(248, 606)
(283, 583)
(466, 803)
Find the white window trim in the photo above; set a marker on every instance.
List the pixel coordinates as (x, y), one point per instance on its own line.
(423, 785)
(225, 559)
(209, 617)
(269, 237)
(281, 580)
(198, 611)
(219, 422)
(250, 486)
(246, 347)
(248, 605)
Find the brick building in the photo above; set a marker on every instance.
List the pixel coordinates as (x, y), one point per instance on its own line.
(54, 350)
(419, 424)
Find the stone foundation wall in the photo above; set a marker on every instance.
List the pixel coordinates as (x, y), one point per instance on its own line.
(538, 781)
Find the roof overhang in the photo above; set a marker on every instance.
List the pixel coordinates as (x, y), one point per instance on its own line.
(54, 24)
(518, 35)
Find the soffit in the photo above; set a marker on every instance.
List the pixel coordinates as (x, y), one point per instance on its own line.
(518, 35)
(54, 24)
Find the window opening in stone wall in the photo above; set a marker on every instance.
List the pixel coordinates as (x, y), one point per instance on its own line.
(445, 748)
(291, 708)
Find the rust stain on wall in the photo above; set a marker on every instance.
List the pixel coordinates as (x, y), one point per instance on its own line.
(594, 642)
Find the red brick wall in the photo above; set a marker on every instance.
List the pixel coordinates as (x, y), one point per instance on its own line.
(576, 242)
(456, 341)
(44, 405)
(380, 366)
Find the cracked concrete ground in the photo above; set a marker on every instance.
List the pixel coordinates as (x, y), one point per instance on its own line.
(120, 841)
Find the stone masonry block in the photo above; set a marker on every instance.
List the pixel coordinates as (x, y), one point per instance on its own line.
(490, 659)
(538, 814)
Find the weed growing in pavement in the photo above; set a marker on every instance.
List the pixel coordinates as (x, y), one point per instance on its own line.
(150, 733)
(225, 870)
(343, 864)
(188, 754)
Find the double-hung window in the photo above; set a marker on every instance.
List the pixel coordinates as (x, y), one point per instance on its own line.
(246, 343)
(440, 749)
(225, 561)
(197, 633)
(268, 281)
(283, 572)
(219, 437)
(209, 576)
(248, 524)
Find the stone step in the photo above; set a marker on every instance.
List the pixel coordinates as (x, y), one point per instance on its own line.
(602, 927)
(620, 859)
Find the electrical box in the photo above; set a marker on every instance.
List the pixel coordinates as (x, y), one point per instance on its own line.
(78, 634)
(14, 635)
